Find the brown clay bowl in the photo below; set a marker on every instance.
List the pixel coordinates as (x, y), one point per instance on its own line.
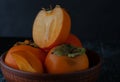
(89, 75)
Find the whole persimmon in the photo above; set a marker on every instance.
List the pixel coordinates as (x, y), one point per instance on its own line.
(73, 40)
(66, 58)
(23, 48)
(51, 27)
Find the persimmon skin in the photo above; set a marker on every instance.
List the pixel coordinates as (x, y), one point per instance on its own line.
(63, 64)
(73, 40)
(28, 62)
(24, 48)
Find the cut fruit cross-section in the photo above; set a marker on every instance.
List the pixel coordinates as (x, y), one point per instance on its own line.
(51, 27)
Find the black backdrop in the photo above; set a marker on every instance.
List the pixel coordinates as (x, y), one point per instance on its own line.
(91, 19)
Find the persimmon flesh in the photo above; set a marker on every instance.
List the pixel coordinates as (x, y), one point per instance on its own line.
(51, 27)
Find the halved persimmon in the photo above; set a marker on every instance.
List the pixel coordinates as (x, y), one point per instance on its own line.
(66, 59)
(51, 27)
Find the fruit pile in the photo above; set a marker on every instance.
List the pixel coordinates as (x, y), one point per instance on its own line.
(54, 49)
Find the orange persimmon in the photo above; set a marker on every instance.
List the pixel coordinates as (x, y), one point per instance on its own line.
(51, 27)
(24, 48)
(73, 40)
(66, 59)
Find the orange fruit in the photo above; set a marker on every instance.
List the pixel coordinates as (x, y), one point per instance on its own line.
(51, 27)
(74, 40)
(63, 59)
(23, 48)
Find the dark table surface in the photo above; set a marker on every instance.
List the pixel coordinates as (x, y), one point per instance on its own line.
(109, 50)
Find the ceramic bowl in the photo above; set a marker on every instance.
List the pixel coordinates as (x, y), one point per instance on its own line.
(89, 75)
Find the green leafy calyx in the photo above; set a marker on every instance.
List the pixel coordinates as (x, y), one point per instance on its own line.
(68, 50)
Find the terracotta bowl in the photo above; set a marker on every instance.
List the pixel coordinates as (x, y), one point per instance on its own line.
(89, 75)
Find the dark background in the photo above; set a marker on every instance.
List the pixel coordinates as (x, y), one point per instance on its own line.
(91, 19)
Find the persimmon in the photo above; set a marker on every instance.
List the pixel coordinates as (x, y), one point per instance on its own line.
(24, 48)
(51, 27)
(27, 62)
(73, 40)
(66, 58)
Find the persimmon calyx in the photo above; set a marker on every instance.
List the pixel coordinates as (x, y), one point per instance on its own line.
(68, 50)
(26, 42)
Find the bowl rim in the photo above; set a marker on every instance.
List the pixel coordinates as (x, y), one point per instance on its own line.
(2, 63)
